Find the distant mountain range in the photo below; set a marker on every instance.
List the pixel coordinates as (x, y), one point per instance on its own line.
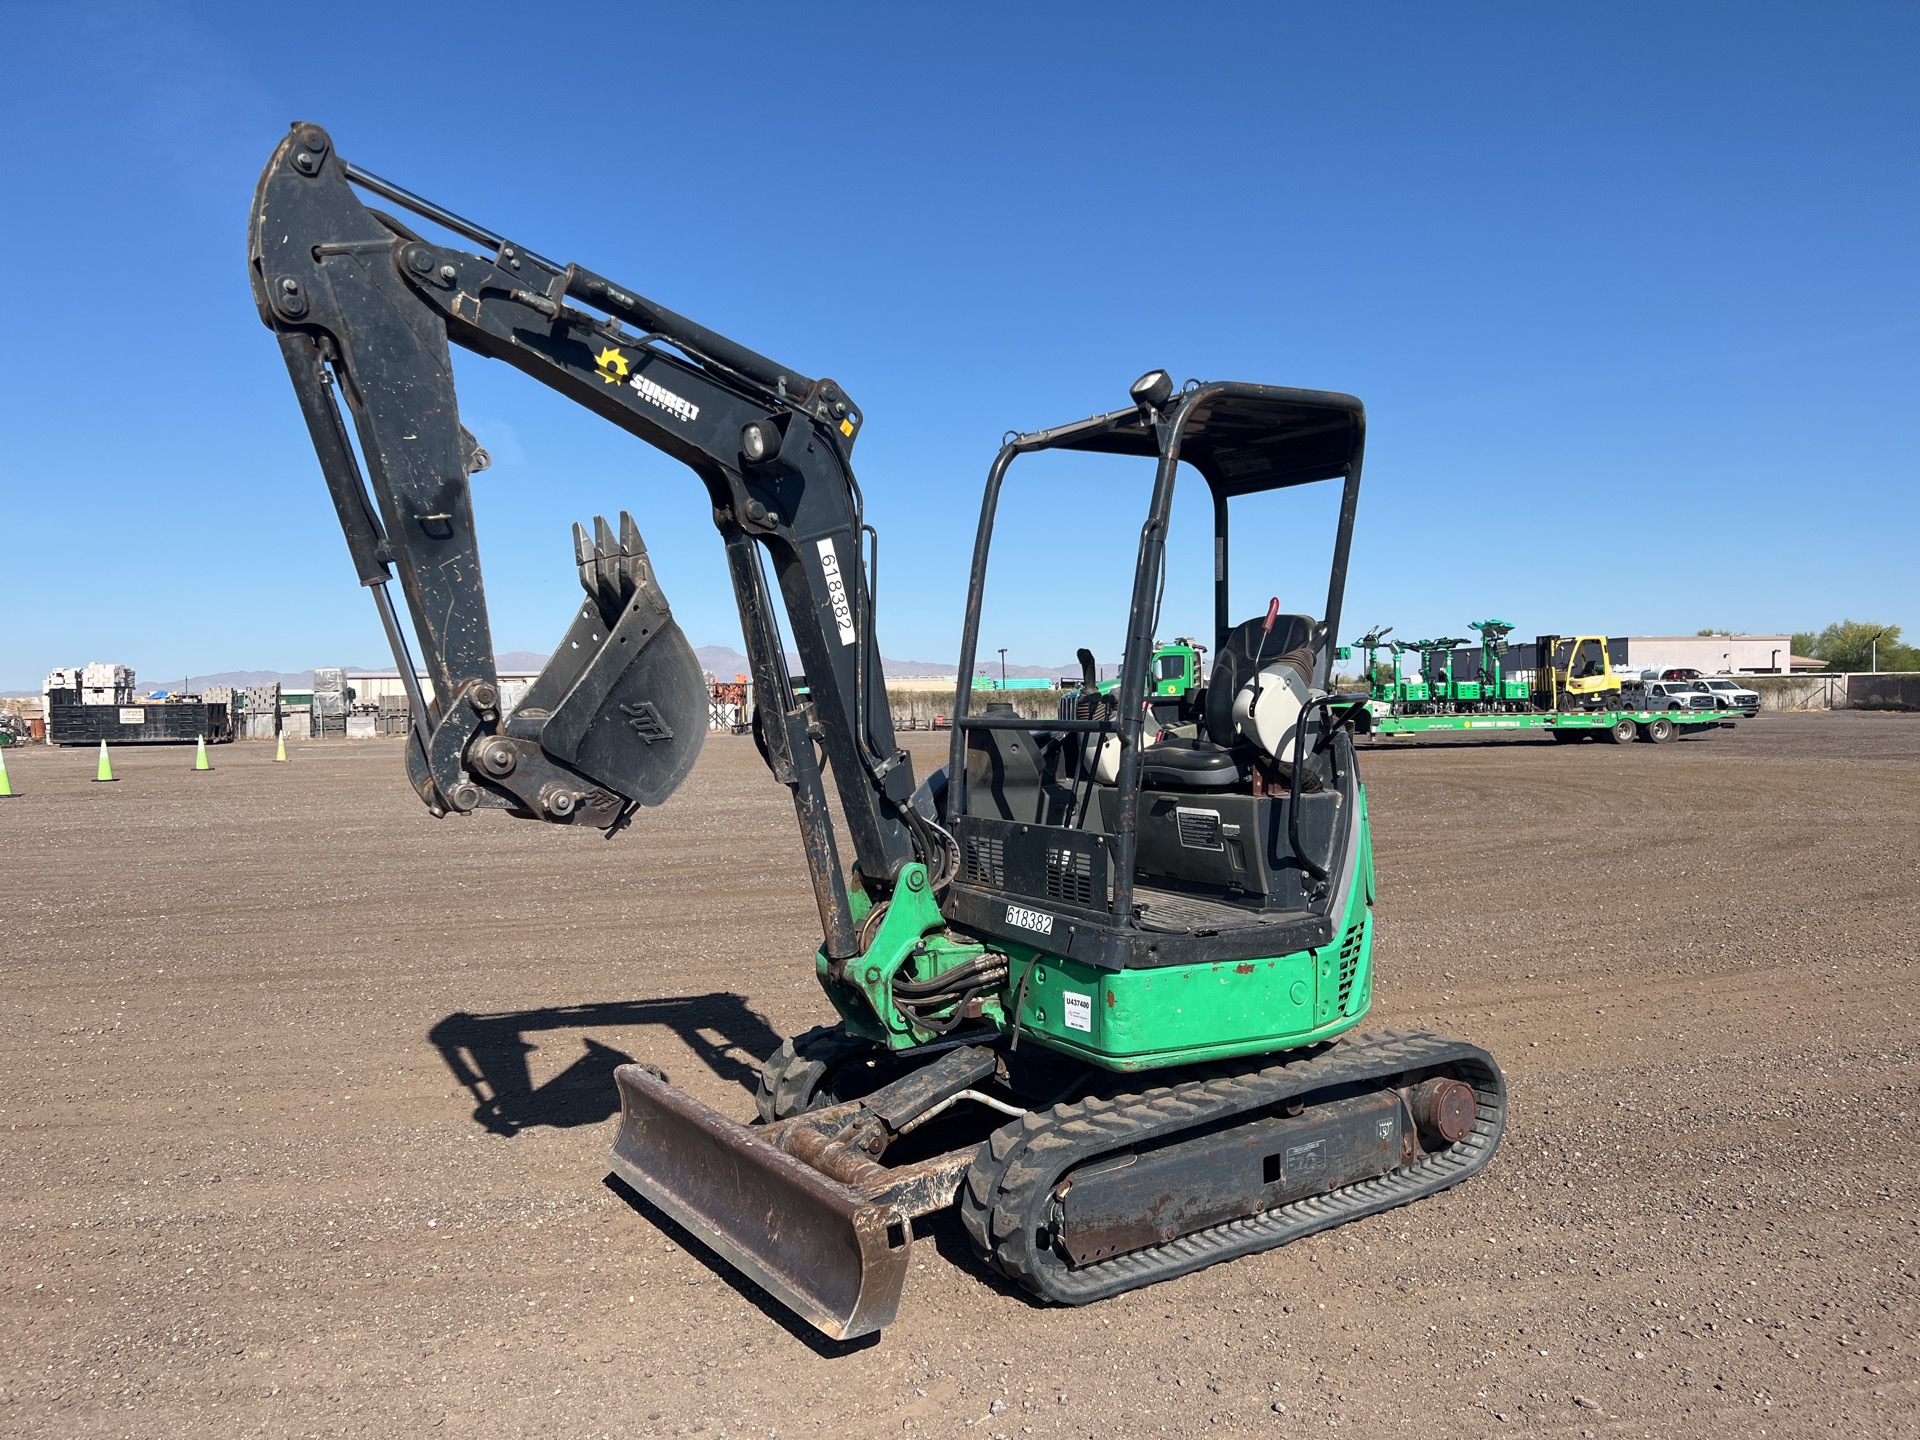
(725, 662)
(512, 661)
(722, 660)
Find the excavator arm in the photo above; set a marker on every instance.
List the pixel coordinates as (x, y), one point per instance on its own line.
(365, 309)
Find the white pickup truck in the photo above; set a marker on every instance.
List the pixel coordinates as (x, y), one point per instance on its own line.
(1667, 695)
(1730, 694)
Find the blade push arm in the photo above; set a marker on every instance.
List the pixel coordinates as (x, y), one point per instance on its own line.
(364, 307)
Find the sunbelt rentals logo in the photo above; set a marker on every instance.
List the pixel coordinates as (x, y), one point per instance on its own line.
(613, 367)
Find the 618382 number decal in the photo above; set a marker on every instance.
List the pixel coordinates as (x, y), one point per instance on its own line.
(1036, 920)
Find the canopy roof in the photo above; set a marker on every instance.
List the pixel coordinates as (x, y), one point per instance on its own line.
(1242, 438)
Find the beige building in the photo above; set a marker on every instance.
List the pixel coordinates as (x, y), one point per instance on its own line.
(370, 687)
(1709, 654)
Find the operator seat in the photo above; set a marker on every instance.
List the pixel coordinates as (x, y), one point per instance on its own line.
(1218, 759)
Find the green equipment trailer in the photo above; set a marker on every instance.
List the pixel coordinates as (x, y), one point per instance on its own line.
(1574, 694)
(1615, 726)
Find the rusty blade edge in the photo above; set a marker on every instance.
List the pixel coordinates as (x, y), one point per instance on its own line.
(882, 1269)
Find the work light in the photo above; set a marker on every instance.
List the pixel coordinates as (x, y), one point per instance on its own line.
(759, 441)
(1151, 390)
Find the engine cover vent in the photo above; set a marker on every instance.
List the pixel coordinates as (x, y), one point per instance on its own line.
(1069, 876)
(1350, 962)
(987, 861)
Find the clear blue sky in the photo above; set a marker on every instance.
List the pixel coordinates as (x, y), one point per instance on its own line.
(1629, 292)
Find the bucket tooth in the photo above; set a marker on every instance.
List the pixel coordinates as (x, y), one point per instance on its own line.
(636, 568)
(832, 1255)
(608, 567)
(631, 544)
(583, 557)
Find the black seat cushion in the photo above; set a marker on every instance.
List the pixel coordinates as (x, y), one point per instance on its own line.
(1247, 650)
(1190, 765)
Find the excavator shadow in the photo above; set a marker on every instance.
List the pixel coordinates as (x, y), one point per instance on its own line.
(488, 1055)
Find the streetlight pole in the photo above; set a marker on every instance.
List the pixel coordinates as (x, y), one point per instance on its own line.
(1874, 663)
(1003, 667)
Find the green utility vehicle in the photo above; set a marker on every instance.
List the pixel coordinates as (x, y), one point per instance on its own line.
(1173, 673)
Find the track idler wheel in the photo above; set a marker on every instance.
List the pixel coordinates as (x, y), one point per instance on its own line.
(819, 1067)
(1444, 1111)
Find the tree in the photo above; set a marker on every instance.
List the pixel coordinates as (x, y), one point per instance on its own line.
(1803, 642)
(1851, 645)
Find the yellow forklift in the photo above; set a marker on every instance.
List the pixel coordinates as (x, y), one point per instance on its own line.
(1574, 672)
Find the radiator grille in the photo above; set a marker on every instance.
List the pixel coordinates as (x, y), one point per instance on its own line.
(1069, 875)
(987, 861)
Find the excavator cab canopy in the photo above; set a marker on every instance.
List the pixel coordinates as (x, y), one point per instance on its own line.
(1243, 439)
(1048, 795)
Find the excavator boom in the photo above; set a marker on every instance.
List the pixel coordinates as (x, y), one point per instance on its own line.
(366, 308)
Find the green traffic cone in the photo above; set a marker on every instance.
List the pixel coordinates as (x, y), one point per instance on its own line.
(281, 757)
(200, 757)
(103, 773)
(6, 785)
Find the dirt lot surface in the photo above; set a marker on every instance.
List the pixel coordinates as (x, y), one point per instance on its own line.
(306, 1100)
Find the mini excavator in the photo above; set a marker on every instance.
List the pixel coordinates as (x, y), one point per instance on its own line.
(1094, 983)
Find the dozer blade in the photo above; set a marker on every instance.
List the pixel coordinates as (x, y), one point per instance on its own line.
(829, 1253)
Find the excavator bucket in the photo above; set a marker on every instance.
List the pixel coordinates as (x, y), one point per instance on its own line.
(829, 1253)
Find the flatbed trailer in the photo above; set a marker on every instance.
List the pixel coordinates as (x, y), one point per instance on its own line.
(1616, 726)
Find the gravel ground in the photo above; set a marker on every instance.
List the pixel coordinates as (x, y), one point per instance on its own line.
(306, 1099)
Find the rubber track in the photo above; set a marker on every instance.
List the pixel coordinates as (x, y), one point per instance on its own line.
(1010, 1182)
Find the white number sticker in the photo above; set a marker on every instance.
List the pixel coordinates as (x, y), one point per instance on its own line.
(1030, 919)
(837, 592)
(1079, 1010)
